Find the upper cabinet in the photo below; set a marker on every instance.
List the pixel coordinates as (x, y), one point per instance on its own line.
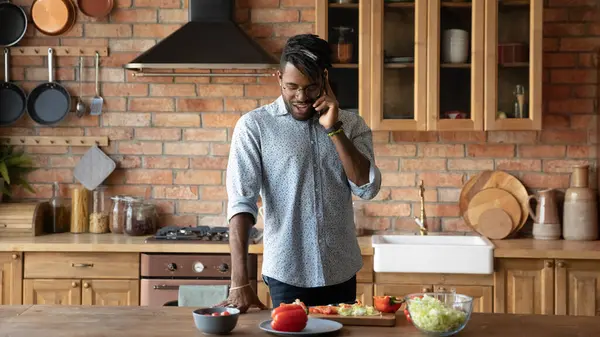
(437, 64)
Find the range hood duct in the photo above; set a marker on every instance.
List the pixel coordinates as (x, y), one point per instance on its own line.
(209, 40)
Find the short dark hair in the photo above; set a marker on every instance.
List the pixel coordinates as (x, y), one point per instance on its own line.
(310, 54)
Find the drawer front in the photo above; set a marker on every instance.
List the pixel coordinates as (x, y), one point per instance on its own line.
(365, 274)
(82, 265)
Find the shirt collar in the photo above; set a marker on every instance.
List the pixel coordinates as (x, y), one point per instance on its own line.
(278, 107)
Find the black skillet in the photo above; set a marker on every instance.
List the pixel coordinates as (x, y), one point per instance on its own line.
(13, 24)
(12, 97)
(49, 102)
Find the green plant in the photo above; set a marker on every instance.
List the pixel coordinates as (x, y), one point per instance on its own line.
(14, 166)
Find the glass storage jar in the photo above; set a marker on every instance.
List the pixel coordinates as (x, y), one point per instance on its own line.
(133, 226)
(99, 214)
(59, 212)
(150, 216)
(117, 215)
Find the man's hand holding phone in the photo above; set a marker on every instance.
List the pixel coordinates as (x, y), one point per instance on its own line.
(327, 106)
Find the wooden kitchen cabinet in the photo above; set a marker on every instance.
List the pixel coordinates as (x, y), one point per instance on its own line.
(577, 287)
(81, 292)
(110, 292)
(11, 271)
(52, 291)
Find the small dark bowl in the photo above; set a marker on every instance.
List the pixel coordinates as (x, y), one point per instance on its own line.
(216, 325)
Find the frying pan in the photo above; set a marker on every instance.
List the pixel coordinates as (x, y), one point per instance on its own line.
(13, 24)
(49, 102)
(95, 8)
(53, 17)
(12, 97)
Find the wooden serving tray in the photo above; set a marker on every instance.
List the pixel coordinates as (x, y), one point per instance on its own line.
(385, 319)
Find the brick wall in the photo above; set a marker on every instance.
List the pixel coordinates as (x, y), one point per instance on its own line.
(170, 136)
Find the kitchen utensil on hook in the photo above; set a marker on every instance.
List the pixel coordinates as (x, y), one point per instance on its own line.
(53, 17)
(97, 101)
(13, 24)
(12, 97)
(80, 104)
(95, 8)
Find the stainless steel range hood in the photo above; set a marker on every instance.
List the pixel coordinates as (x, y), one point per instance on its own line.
(210, 40)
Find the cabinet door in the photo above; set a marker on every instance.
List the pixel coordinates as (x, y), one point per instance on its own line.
(482, 295)
(11, 269)
(400, 290)
(111, 292)
(263, 294)
(364, 293)
(578, 288)
(455, 50)
(513, 57)
(524, 286)
(398, 65)
(64, 292)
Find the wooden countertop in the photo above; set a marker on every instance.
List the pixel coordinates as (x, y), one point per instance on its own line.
(551, 249)
(56, 320)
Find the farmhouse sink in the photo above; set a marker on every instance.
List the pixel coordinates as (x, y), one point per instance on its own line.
(451, 254)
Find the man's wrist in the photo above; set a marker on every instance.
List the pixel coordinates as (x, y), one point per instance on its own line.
(335, 127)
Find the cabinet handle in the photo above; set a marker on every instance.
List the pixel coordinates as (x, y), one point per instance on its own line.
(3, 225)
(86, 285)
(549, 264)
(82, 265)
(74, 284)
(15, 256)
(561, 264)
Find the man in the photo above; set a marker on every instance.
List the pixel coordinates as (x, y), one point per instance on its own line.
(306, 158)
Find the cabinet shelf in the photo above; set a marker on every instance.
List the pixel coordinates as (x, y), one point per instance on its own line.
(399, 65)
(400, 4)
(451, 4)
(456, 65)
(345, 65)
(514, 65)
(347, 6)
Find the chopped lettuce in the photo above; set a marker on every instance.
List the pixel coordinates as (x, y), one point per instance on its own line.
(357, 309)
(430, 314)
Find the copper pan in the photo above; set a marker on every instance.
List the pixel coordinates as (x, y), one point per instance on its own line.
(53, 17)
(95, 8)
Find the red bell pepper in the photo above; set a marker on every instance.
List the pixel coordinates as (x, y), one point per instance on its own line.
(388, 304)
(290, 317)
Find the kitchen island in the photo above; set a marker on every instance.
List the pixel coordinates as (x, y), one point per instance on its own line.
(55, 321)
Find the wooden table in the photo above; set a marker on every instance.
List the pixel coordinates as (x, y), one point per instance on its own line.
(73, 321)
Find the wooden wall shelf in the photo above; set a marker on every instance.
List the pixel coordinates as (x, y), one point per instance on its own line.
(59, 51)
(54, 141)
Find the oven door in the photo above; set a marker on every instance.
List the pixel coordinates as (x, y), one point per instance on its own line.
(165, 292)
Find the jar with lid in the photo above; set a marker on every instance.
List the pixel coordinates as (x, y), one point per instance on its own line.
(150, 216)
(132, 209)
(59, 217)
(117, 214)
(99, 214)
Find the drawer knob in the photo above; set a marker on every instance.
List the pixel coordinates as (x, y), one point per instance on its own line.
(74, 284)
(15, 256)
(82, 265)
(86, 285)
(549, 264)
(561, 264)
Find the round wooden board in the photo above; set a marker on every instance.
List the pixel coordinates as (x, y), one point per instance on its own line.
(495, 224)
(494, 179)
(493, 198)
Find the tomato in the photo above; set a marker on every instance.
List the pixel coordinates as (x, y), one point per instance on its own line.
(388, 304)
(225, 313)
(407, 314)
(215, 314)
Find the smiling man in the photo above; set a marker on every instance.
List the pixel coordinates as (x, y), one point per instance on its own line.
(306, 158)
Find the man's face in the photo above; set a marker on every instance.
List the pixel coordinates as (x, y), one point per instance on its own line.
(299, 92)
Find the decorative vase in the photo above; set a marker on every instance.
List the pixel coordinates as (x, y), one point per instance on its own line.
(580, 220)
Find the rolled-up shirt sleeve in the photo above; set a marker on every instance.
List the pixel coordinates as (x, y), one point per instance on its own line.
(363, 141)
(244, 169)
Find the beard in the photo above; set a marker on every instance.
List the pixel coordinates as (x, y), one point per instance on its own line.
(301, 110)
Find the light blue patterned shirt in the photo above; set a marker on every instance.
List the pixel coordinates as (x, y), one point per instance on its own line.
(309, 234)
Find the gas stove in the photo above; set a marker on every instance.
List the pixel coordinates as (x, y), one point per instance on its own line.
(200, 234)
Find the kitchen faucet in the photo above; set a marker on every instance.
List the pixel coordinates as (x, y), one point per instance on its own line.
(421, 220)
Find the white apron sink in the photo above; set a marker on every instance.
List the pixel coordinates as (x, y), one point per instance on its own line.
(449, 254)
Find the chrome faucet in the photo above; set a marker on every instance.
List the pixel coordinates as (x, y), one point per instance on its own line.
(421, 220)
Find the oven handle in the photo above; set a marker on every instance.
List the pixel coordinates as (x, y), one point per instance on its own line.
(166, 287)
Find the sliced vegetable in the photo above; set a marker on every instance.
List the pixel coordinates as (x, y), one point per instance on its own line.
(431, 314)
(389, 304)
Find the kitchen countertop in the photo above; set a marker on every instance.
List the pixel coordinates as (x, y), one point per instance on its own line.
(57, 320)
(67, 242)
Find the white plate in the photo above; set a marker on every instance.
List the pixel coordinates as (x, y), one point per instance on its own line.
(314, 326)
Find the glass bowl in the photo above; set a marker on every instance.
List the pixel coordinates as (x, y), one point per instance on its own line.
(439, 313)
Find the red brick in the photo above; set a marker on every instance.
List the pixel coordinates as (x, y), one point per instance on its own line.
(442, 179)
(199, 177)
(165, 207)
(441, 150)
(573, 76)
(60, 162)
(572, 3)
(563, 137)
(128, 162)
(176, 120)
(584, 14)
(594, 29)
(47, 149)
(587, 60)
(512, 137)
(442, 209)
(550, 44)
(455, 225)
(151, 104)
(209, 163)
(241, 15)
(220, 120)
(137, 147)
(579, 43)
(542, 151)
(274, 15)
(257, 3)
(200, 207)
(423, 165)
(172, 16)
(397, 179)
(58, 131)
(260, 90)
(50, 175)
(213, 193)
(286, 30)
(381, 137)
(545, 180)
(178, 220)
(138, 45)
(562, 60)
(462, 136)
(126, 119)
(571, 106)
(532, 165)
(307, 15)
(414, 136)
(583, 122)
(387, 209)
(449, 194)
(555, 121)
(297, 3)
(220, 149)
(133, 15)
(396, 150)
(158, 3)
(175, 192)
(564, 29)
(584, 91)
(386, 164)
(581, 151)
(412, 194)
(41, 74)
(186, 149)
(470, 164)
(260, 30)
(114, 104)
(205, 135)
(107, 30)
(408, 224)
(157, 134)
(124, 89)
(104, 75)
(154, 30)
(488, 150)
(557, 91)
(113, 133)
(561, 165)
(232, 80)
(555, 14)
(240, 105)
(218, 90)
(199, 104)
(166, 162)
(172, 90)
(154, 177)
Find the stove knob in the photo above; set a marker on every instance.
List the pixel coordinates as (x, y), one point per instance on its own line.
(198, 267)
(171, 267)
(223, 267)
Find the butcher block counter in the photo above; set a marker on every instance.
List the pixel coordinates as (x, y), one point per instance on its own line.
(51, 321)
(67, 242)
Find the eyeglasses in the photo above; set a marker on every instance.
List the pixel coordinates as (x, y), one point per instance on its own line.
(312, 90)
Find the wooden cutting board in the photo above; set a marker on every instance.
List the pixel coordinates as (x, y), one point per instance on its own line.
(494, 179)
(385, 319)
(491, 198)
(495, 224)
